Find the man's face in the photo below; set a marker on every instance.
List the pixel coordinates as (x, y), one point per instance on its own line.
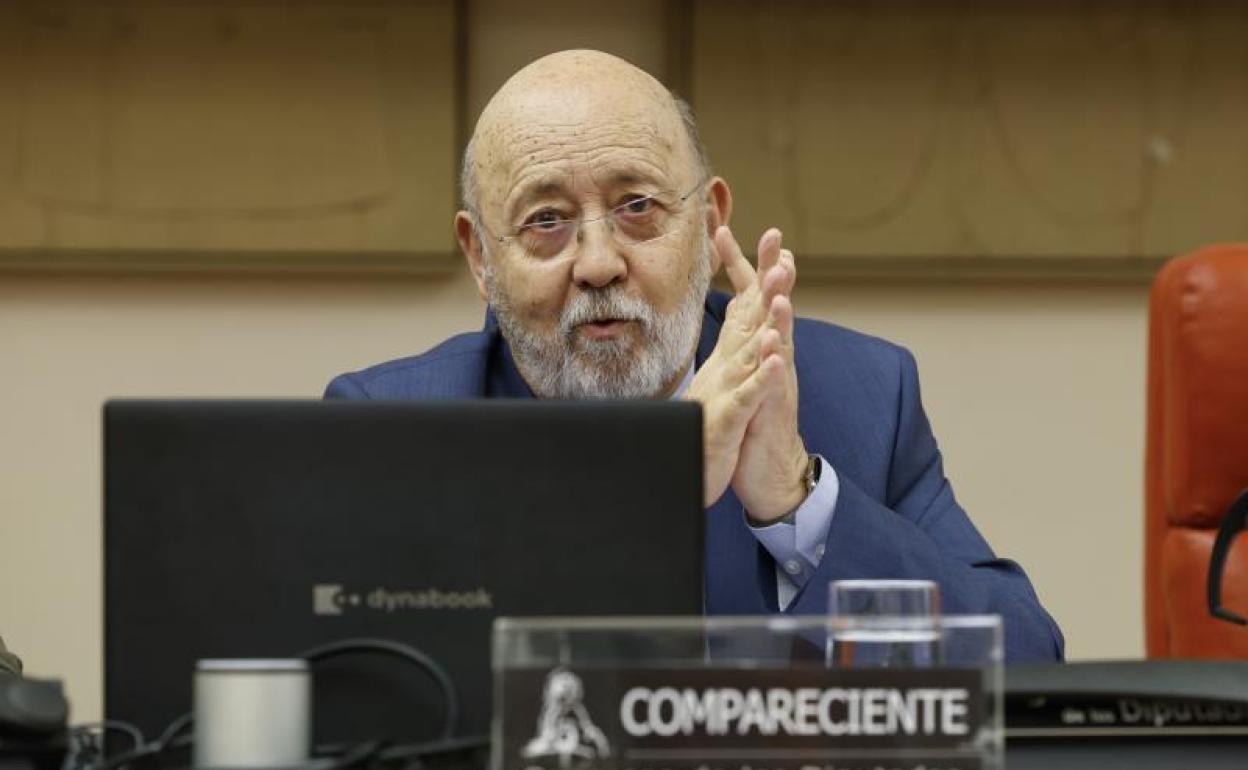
(595, 313)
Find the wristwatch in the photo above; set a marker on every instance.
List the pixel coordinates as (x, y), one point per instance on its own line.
(810, 480)
(813, 469)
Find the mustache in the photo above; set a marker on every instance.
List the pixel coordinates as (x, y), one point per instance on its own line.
(610, 304)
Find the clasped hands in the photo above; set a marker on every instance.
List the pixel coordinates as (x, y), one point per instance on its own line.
(748, 386)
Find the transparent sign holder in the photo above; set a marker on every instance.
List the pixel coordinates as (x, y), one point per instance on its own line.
(763, 693)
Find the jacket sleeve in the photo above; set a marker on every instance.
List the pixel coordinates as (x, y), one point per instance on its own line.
(921, 532)
(345, 387)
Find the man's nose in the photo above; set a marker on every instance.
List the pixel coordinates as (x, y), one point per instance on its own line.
(598, 260)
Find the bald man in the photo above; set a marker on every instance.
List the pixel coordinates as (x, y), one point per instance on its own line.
(593, 223)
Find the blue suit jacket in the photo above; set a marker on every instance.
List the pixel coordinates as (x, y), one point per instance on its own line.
(896, 516)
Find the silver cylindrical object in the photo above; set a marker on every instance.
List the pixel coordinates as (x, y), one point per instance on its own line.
(252, 713)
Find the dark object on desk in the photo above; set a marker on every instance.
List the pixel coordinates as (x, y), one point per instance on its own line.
(253, 529)
(10, 664)
(33, 716)
(32, 706)
(1235, 521)
(1127, 714)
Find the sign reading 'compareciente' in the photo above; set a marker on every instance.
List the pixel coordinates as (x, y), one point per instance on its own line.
(733, 718)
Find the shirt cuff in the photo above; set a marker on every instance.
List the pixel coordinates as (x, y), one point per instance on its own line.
(798, 547)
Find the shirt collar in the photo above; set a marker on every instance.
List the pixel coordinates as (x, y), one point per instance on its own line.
(684, 383)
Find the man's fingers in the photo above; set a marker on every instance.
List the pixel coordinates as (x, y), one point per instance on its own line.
(740, 273)
(780, 278)
(750, 312)
(780, 320)
(747, 397)
(771, 344)
(762, 343)
(774, 284)
(790, 269)
(774, 337)
(769, 250)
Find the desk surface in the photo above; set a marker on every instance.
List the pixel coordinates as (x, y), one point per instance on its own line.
(1127, 754)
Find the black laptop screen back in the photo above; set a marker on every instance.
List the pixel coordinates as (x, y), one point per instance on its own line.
(261, 529)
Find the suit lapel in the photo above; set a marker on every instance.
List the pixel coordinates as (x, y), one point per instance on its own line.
(502, 377)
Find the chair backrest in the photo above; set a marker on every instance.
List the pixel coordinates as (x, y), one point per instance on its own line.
(1197, 450)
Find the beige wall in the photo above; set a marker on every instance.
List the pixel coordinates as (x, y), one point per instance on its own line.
(1036, 393)
(921, 128)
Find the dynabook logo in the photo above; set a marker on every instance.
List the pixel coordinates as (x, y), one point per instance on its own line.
(333, 599)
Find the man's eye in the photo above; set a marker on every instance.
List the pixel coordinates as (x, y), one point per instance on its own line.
(546, 219)
(637, 206)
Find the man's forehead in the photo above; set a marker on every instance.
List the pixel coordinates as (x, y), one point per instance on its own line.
(570, 177)
(599, 152)
(553, 124)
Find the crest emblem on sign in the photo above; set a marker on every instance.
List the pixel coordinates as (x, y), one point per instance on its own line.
(564, 728)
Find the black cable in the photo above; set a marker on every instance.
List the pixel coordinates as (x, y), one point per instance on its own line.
(413, 751)
(123, 759)
(136, 735)
(1235, 520)
(430, 748)
(347, 756)
(88, 748)
(157, 747)
(175, 727)
(83, 750)
(418, 658)
(360, 755)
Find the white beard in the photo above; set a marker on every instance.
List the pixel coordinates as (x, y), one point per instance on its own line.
(566, 365)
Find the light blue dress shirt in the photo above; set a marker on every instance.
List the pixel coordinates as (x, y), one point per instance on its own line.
(796, 546)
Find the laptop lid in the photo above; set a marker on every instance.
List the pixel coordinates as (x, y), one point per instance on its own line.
(262, 529)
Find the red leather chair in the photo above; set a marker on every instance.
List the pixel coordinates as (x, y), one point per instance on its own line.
(1197, 451)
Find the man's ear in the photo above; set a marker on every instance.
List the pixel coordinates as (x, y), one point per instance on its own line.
(718, 212)
(474, 251)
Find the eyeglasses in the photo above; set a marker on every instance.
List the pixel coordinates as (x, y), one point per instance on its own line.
(637, 221)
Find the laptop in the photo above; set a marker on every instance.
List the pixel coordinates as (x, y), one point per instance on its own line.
(261, 529)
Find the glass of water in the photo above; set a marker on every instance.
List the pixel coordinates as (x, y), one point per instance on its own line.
(884, 623)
